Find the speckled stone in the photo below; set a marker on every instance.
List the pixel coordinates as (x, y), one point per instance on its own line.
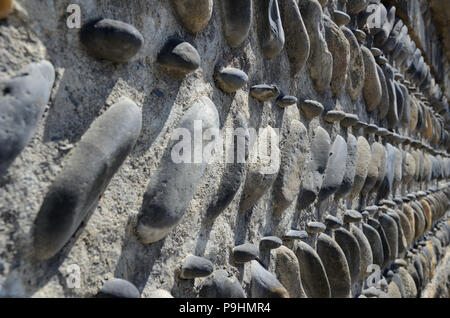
(264, 284)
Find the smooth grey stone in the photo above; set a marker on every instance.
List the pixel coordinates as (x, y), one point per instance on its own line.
(341, 18)
(386, 186)
(163, 207)
(270, 242)
(320, 62)
(230, 79)
(297, 43)
(261, 172)
(375, 51)
(314, 277)
(234, 173)
(383, 106)
(336, 266)
(237, 16)
(382, 132)
(287, 269)
(394, 113)
(311, 108)
(339, 47)
(84, 177)
(359, 34)
(245, 253)
(382, 36)
(270, 28)
(264, 92)
(312, 182)
(376, 245)
(384, 241)
(22, 103)
(356, 72)
(220, 285)
(194, 15)
(352, 216)
(349, 120)
(366, 257)
(286, 101)
(350, 168)
(264, 284)
(332, 116)
(372, 86)
(295, 235)
(178, 58)
(315, 227)
(350, 246)
(111, 40)
(363, 159)
(293, 150)
(381, 60)
(372, 174)
(195, 266)
(402, 245)
(406, 115)
(382, 164)
(335, 170)
(390, 229)
(356, 6)
(371, 129)
(333, 223)
(118, 288)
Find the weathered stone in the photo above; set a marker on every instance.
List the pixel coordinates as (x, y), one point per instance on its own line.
(366, 257)
(6, 7)
(356, 6)
(270, 242)
(349, 120)
(378, 156)
(314, 278)
(340, 50)
(336, 266)
(194, 15)
(312, 182)
(111, 40)
(350, 246)
(288, 272)
(262, 171)
(160, 211)
(293, 150)
(356, 72)
(388, 181)
(397, 169)
(22, 103)
(195, 266)
(402, 245)
(264, 284)
(341, 18)
(372, 86)
(118, 288)
(284, 101)
(320, 61)
(311, 108)
(297, 43)
(382, 164)
(237, 16)
(231, 79)
(350, 168)
(295, 235)
(408, 283)
(332, 116)
(178, 58)
(85, 176)
(333, 223)
(270, 28)
(315, 227)
(335, 170)
(384, 241)
(220, 285)
(245, 253)
(390, 229)
(408, 168)
(363, 159)
(264, 92)
(383, 106)
(359, 34)
(376, 245)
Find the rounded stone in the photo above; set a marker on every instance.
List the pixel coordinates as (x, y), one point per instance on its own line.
(349, 120)
(230, 79)
(286, 101)
(295, 235)
(315, 227)
(375, 51)
(352, 216)
(195, 266)
(264, 284)
(332, 116)
(111, 40)
(381, 60)
(178, 57)
(245, 253)
(118, 288)
(194, 15)
(360, 34)
(270, 242)
(341, 18)
(237, 16)
(220, 285)
(264, 92)
(333, 223)
(311, 108)
(371, 129)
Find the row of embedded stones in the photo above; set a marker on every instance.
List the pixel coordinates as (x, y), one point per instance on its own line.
(406, 238)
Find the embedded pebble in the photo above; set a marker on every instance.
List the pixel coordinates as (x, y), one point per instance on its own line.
(390, 229)
(270, 28)
(383, 107)
(333, 223)
(264, 284)
(295, 235)
(118, 288)
(350, 168)
(231, 79)
(270, 242)
(220, 285)
(349, 120)
(384, 241)
(375, 244)
(22, 103)
(160, 214)
(284, 101)
(313, 275)
(366, 256)
(341, 18)
(195, 266)
(359, 34)
(372, 86)
(350, 246)
(311, 108)
(352, 216)
(382, 164)
(288, 272)
(332, 116)
(356, 72)
(237, 16)
(297, 43)
(111, 40)
(363, 159)
(245, 253)
(377, 157)
(179, 58)
(194, 15)
(315, 227)
(264, 92)
(85, 176)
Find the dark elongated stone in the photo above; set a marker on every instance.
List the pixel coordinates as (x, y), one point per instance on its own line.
(22, 102)
(111, 40)
(264, 284)
(194, 15)
(237, 16)
(335, 170)
(375, 244)
(332, 116)
(341, 18)
(270, 28)
(350, 246)
(362, 166)
(383, 107)
(297, 43)
(390, 229)
(382, 163)
(372, 86)
(401, 239)
(350, 168)
(356, 72)
(387, 184)
(230, 79)
(160, 212)
(178, 57)
(118, 288)
(195, 266)
(314, 277)
(85, 176)
(384, 241)
(366, 257)
(220, 285)
(336, 266)
(245, 253)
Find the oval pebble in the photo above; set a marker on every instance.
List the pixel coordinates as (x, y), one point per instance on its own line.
(231, 79)
(178, 57)
(245, 253)
(264, 284)
(118, 288)
(195, 266)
